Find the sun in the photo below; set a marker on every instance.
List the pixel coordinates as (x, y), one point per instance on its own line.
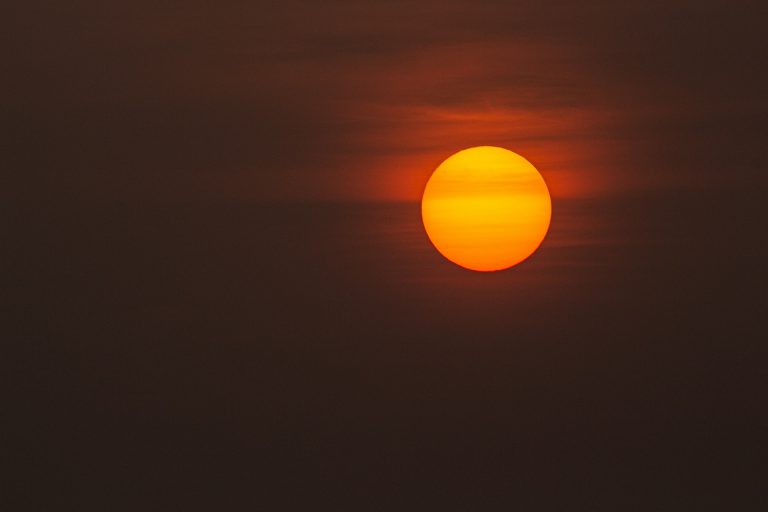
(486, 208)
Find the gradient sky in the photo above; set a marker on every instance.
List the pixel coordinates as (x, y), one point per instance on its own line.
(216, 292)
(362, 100)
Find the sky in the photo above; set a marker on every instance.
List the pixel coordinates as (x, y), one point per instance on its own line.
(217, 293)
(360, 101)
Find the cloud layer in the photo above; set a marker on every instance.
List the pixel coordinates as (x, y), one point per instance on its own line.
(356, 100)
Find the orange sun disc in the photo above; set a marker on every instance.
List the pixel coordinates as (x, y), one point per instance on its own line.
(486, 208)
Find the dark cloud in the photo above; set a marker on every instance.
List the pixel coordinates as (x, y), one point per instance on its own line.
(304, 96)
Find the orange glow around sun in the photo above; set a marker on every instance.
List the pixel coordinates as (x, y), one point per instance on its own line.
(486, 208)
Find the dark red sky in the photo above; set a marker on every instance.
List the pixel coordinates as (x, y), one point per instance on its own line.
(216, 292)
(361, 100)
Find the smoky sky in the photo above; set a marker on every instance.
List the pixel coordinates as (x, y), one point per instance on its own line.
(216, 291)
(361, 100)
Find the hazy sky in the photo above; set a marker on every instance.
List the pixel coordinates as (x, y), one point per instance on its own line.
(185, 333)
(361, 100)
